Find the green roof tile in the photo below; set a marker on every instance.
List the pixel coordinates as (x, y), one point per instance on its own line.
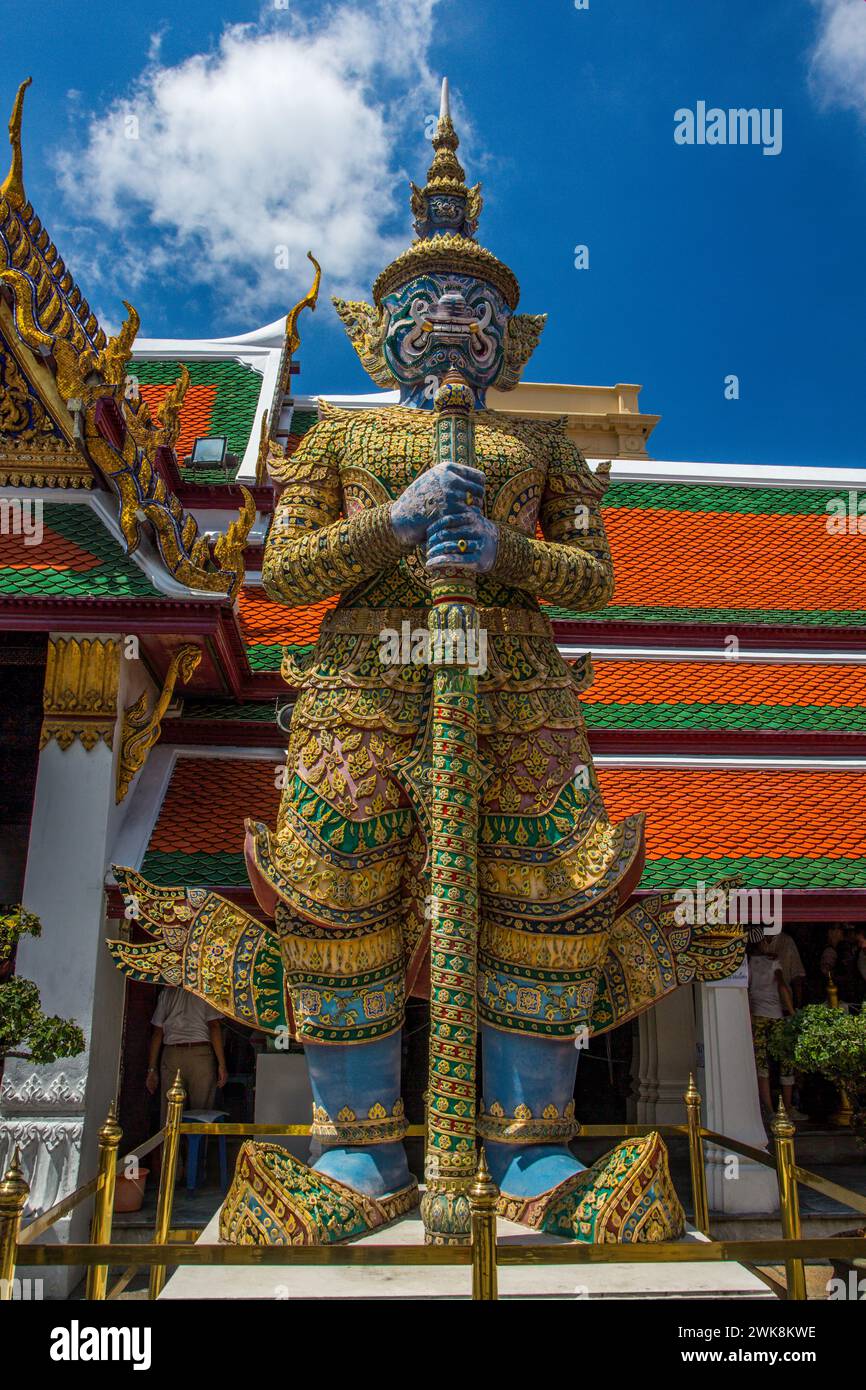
(711, 497)
(724, 716)
(782, 872)
(195, 870)
(782, 617)
(231, 711)
(102, 571)
(303, 420)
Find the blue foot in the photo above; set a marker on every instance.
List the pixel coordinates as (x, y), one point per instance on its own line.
(529, 1170)
(375, 1171)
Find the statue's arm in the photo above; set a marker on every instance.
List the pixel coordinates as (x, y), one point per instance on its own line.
(572, 565)
(312, 550)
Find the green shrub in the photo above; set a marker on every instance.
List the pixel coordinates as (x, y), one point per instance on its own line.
(828, 1041)
(25, 1031)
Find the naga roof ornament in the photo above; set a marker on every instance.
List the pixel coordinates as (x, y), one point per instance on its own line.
(12, 188)
(113, 427)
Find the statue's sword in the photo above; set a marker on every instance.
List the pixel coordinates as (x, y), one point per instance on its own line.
(453, 778)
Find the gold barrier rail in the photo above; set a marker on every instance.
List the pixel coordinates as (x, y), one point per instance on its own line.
(174, 1247)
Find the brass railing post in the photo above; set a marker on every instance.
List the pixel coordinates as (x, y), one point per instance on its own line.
(700, 1204)
(103, 1204)
(789, 1203)
(483, 1195)
(14, 1191)
(165, 1200)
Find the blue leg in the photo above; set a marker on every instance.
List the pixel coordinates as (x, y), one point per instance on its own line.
(358, 1113)
(528, 1110)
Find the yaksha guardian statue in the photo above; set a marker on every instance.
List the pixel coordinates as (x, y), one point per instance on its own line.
(441, 831)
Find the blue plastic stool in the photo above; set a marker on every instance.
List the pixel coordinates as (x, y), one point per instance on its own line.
(197, 1152)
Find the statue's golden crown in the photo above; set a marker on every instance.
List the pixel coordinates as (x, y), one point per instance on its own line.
(446, 213)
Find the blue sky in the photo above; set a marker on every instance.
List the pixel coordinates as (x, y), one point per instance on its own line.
(304, 125)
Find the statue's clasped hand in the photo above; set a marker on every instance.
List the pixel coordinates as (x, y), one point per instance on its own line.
(444, 507)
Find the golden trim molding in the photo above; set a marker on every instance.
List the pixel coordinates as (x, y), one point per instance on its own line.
(141, 729)
(80, 692)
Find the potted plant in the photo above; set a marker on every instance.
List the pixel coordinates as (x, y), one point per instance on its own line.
(831, 1042)
(129, 1189)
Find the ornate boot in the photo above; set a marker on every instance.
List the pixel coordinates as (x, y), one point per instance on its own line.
(360, 1182)
(625, 1196)
(536, 995)
(347, 1000)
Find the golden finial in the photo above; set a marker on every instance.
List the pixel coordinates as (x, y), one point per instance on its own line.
(169, 415)
(483, 1191)
(445, 177)
(13, 1186)
(782, 1126)
(12, 188)
(111, 1133)
(446, 167)
(115, 355)
(293, 341)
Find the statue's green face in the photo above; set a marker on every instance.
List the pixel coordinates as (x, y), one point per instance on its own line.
(442, 323)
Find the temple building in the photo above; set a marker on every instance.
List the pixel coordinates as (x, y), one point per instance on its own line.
(144, 712)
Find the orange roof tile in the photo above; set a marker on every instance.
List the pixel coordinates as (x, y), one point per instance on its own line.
(54, 552)
(700, 811)
(195, 414)
(719, 560)
(728, 682)
(264, 622)
(225, 791)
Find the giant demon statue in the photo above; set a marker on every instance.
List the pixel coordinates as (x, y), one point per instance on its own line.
(413, 807)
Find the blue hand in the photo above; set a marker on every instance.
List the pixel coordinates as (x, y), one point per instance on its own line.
(466, 539)
(450, 490)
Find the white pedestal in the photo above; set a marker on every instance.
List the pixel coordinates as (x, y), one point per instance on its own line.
(376, 1281)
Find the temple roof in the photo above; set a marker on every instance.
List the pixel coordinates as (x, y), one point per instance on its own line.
(720, 553)
(702, 694)
(776, 826)
(76, 558)
(222, 399)
(727, 554)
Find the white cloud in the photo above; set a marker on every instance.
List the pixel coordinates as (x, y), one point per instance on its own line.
(286, 135)
(838, 66)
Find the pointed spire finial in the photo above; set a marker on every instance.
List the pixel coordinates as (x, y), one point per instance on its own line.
(12, 188)
(445, 206)
(445, 101)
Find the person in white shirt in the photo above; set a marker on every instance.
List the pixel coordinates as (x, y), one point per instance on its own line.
(188, 1032)
(769, 1000)
(793, 970)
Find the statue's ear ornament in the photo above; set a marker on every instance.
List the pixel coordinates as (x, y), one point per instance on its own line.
(521, 340)
(366, 327)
